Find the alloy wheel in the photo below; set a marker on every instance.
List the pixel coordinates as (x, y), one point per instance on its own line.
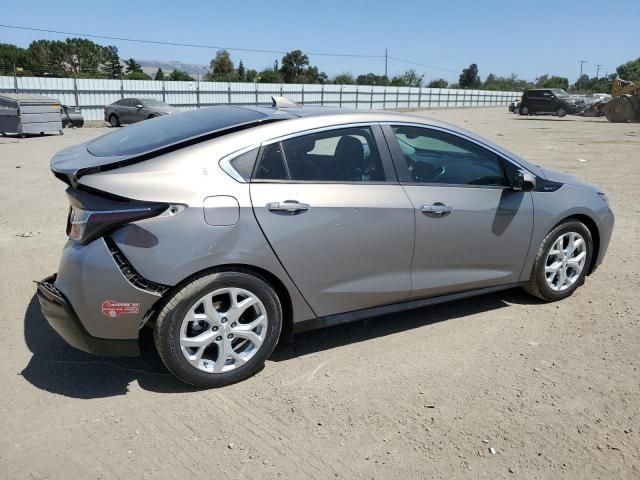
(223, 330)
(565, 261)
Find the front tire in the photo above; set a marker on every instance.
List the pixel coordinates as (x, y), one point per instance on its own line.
(562, 262)
(524, 110)
(114, 121)
(219, 328)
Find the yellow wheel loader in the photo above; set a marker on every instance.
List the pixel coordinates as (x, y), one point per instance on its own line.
(625, 104)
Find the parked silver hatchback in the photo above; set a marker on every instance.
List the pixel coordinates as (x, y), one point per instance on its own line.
(226, 229)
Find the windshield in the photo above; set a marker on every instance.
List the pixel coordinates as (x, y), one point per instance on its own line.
(559, 92)
(150, 102)
(170, 129)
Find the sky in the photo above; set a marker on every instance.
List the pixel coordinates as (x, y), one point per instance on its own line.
(502, 37)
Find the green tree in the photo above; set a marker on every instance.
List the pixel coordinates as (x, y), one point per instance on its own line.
(511, 83)
(111, 67)
(269, 75)
(46, 57)
(221, 68)
(312, 75)
(408, 79)
(630, 70)
(137, 76)
(132, 66)
(294, 65)
(545, 81)
(439, 83)
(372, 79)
(344, 78)
(82, 57)
(251, 75)
(159, 74)
(11, 55)
(469, 77)
(241, 72)
(180, 76)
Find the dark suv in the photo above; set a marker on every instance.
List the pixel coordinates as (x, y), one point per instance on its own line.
(553, 101)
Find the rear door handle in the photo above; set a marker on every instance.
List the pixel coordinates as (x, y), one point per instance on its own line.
(288, 207)
(438, 209)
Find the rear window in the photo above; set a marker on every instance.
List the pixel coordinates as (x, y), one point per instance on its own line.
(161, 132)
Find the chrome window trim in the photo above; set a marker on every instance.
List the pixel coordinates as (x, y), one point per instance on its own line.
(311, 131)
(225, 163)
(460, 135)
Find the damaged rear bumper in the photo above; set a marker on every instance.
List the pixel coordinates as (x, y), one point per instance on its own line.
(61, 316)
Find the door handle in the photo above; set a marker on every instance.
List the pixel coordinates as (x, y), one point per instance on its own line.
(288, 207)
(436, 210)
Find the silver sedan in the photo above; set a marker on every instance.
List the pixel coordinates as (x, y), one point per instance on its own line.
(226, 229)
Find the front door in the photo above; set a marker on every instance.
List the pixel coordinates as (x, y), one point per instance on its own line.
(337, 218)
(472, 229)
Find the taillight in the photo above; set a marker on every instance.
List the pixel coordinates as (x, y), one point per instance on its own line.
(91, 216)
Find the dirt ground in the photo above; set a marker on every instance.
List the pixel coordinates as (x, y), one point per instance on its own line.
(553, 390)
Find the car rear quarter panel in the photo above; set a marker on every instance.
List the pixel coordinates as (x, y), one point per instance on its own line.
(170, 249)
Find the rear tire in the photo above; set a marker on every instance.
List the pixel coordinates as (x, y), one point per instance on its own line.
(204, 335)
(114, 121)
(561, 112)
(555, 276)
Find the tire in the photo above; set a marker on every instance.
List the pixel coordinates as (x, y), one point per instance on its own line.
(114, 121)
(561, 112)
(524, 110)
(539, 285)
(205, 368)
(153, 115)
(619, 110)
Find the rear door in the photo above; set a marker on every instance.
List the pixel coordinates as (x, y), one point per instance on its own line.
(472, 229)
(331, 207)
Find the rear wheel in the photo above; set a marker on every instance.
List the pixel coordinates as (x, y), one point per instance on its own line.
(219, 329)
(562, 262)
(114, 121)
(561, 112)
(619, 110)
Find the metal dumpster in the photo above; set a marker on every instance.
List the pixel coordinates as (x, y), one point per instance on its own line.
(25, 114)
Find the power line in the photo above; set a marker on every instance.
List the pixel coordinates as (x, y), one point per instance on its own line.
(423, 65)
(175, 44)
(216, 47)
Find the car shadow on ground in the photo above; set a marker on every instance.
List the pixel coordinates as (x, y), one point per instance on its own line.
(61, 369)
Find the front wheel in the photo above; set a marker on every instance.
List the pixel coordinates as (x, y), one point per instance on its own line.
(562, 262)
(114, 121)
(219, 328)
(524, 110)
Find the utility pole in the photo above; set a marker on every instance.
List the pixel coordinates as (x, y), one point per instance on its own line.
(581, 62)
(386, 60)
(597, 70)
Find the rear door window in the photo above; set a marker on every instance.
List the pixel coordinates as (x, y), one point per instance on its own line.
(342, 155)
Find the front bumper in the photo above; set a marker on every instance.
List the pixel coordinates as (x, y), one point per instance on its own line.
(61, 316)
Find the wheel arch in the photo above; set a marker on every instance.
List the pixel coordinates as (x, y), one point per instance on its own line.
(286, 334)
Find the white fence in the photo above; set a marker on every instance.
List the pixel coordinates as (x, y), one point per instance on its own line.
(91, 95)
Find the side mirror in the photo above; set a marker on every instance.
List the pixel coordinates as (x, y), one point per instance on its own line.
(524, 181)
(139, 105)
